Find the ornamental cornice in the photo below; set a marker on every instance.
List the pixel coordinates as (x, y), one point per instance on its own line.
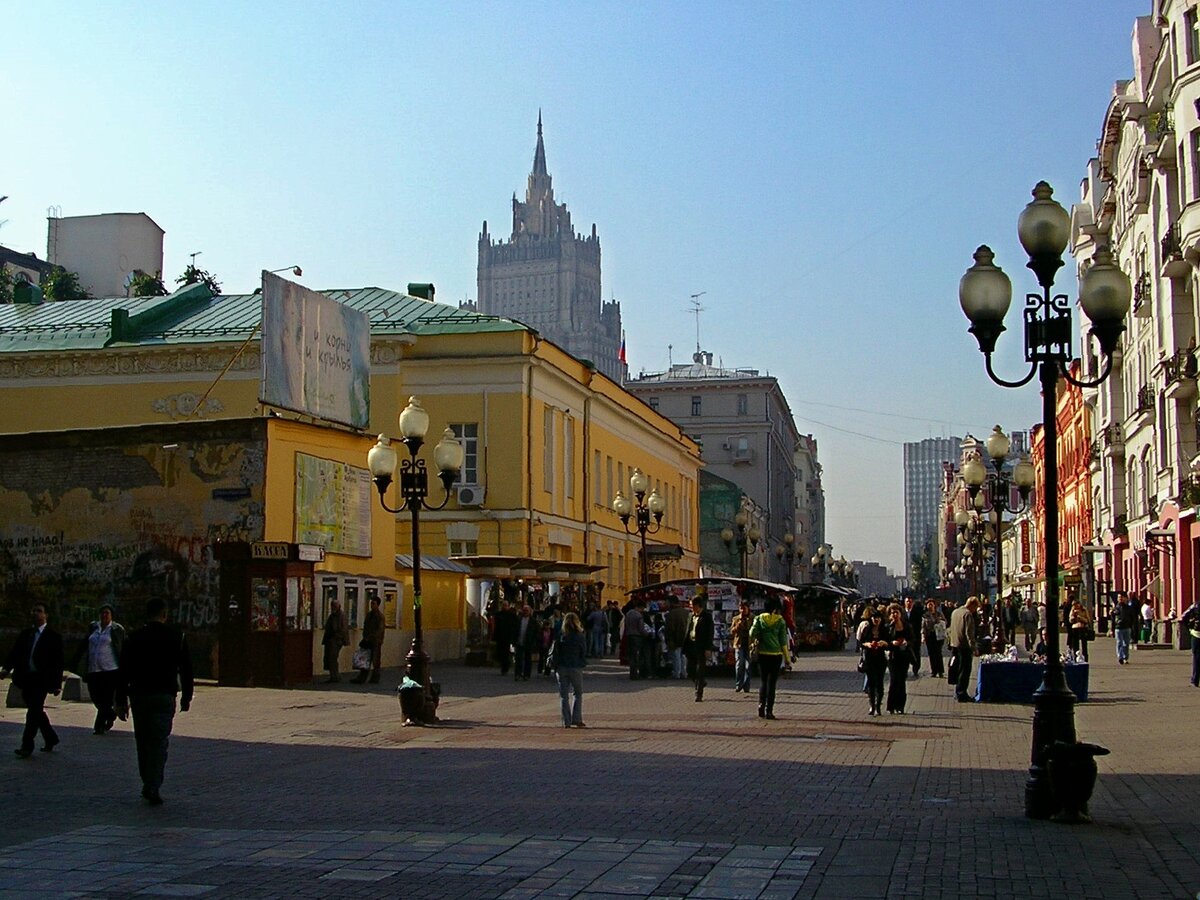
(176, 360)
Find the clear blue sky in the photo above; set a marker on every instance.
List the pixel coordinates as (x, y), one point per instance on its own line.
(822, 170)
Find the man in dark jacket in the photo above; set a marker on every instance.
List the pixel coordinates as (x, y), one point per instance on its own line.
(505, 635)
(155, 668)
(36, 664)
(699, 642)
(914, 613)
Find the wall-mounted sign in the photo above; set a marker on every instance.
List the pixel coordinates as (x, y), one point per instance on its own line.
(270, 550)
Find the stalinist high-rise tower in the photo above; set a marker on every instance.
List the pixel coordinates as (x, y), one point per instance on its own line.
(548, 277)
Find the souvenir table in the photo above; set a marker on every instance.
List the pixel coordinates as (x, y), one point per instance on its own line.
(1015, 682)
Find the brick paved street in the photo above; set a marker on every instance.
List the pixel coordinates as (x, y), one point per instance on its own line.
(319, 792)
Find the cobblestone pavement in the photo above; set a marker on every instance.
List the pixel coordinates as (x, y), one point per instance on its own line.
(319, 792)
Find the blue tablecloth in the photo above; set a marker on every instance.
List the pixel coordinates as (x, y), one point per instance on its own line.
(1015, 682)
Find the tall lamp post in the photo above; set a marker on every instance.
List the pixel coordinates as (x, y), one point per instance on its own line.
(974, 538)
(820, 565)
(744, 539)
(786, 552)
(414, 488)
(642, 509)
(999, 484)
(985, 293)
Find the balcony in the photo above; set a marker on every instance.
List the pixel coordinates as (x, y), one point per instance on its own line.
(1145, 400)
(1141, 297)
(1179, 375)
(1189, 491)
(1160, 139)
(1173, 263)
(1113, 441)
(1094, 454)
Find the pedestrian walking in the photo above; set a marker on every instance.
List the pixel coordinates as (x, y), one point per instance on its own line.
(699, 642)
(105, 642)
(504, 632)
(1147, 621)
(1126, 619)
(634, 625)
(1029, 623)
(155, 669)
(1191, 621)
(739, 640)
(770, 633)
(676, 625)
(873, 640)
(597, 622)
(963, 648)
(1080, 633)
(933, 624)
(524, 644)
(570, 658)
(914, 613)
(335, 638)
(614, 626)
(36, 665)
(900, 639)
(372, 639)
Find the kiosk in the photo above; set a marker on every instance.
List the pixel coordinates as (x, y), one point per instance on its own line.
(266, 606)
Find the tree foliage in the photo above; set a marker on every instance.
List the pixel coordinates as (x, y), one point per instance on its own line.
(60, 285)
(6, 284)
(193, 274)
(146, 285)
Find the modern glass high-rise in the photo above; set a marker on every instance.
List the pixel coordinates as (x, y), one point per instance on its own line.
(924, 472)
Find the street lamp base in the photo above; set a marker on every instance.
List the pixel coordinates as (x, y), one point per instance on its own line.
(1053, 723)
(418, 694)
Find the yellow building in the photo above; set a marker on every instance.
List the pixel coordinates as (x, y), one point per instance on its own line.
(549, 441)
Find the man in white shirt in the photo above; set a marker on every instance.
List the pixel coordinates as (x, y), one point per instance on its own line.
(1147, 621)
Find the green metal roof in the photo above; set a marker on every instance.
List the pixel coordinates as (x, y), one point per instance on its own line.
(190, 316)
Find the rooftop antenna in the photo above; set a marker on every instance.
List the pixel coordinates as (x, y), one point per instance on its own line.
(695, 311)
(194, 255)
(670, 358)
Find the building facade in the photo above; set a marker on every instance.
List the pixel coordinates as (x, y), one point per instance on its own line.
(1140, 198)
(810, 506)
(548, 277)
(105, 250)
(744, 424)
(90, 514)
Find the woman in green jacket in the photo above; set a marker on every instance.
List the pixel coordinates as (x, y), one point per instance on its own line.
(770, 632)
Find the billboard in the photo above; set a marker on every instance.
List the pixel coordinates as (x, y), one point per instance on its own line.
(316, 354)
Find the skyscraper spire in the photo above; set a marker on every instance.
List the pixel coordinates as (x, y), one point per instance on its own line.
(539, 155)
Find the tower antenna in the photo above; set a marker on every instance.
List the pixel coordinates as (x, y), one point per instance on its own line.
(695, 311)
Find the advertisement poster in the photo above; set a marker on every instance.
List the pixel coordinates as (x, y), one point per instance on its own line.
(316, 354)
(264, 604)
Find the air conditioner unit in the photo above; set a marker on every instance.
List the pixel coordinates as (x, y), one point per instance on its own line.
(470, 495)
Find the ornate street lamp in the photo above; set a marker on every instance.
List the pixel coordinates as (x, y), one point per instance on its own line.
(744, 539)
(985, 293)
(819, 563)
(787, 552)
(999, 483)
(414, 488)
(641, 510)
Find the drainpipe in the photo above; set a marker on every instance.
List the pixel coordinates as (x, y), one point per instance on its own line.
(587, 467)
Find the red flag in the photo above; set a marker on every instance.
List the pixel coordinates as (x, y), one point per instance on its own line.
(621, 355)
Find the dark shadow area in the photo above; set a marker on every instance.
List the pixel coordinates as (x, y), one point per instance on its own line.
(586, 791)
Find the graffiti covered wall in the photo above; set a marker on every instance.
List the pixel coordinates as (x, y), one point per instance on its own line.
(122, 516)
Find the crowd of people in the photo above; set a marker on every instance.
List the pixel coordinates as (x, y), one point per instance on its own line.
(674, 643)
